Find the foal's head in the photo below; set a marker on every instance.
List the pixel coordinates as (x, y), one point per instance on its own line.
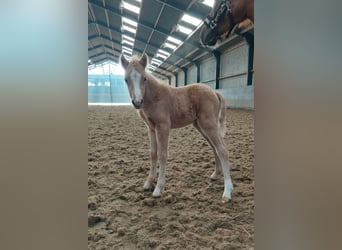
(136, 78)
(217, 23)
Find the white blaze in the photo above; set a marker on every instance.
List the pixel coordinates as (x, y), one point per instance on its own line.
(135, 76)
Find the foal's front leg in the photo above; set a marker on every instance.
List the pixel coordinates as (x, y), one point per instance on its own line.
(153, 150)
(162, 132)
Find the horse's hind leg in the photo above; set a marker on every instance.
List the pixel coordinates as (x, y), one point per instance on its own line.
(153, 168)
(218, 168)
(210, 129)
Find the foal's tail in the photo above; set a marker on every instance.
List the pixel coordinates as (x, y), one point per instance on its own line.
(221, 114)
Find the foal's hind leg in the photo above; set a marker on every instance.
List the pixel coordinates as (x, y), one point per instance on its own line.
(210, 129)
(153, 168)
(162, 135)
(218, 168)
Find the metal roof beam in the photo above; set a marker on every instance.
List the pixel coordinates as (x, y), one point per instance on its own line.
(116, 50)
(176, 6)
(103, 46)
(103, 53)
(146, 25)
(137, 50)
(139, 40)
(159, 74)
(101, 61)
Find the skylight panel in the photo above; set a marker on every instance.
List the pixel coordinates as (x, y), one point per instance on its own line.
(174, 40)
(155, 63)
(209, 3)
(151, 69)
(164, 52)
(125, 27)
(127, 42)
(169, 45)
(161, 56)
(191, 20)
(131, 7)
(129, 21)
(127, 49)
(156, 60)
(183, 29)
(128, 38)
(127, 53)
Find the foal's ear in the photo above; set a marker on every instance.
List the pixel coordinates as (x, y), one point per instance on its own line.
(143, 60)
(123, 61)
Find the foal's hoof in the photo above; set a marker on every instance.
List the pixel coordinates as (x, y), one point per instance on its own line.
(156, 194)
(213, 177)
(148, 186)
(225, 199)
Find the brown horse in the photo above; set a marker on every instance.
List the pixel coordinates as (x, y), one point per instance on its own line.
(224, 16)
(163, 108)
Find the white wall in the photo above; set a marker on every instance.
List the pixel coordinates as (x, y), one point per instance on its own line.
(180, 78)
(173, 81)
(192, 75)
(208, 72)
(235, 89)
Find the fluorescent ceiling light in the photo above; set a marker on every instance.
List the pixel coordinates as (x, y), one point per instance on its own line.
(127, 53)
(174, 40)
(183, 29)
(156, 60)
(130, 51)
(209, 3)
(127, 42)
(89, 61)
(129, 21)
(161, 56)
(169, 45)
(157, 64)
(191, 20)
(125, 27)
(128, 38)
(127, 49)
(164, 52)
(131, 7)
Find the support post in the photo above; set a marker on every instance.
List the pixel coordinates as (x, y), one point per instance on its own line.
(176, 79)
(168, 77)
(185, 70)
(198, 65)
(217, 55)
(250, 40)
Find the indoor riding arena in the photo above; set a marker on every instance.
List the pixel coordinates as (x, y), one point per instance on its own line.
(190, 213)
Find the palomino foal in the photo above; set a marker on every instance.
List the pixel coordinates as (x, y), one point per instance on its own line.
(163, 108)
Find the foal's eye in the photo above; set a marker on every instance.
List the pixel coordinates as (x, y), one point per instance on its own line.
(125, 80)
(145, 79)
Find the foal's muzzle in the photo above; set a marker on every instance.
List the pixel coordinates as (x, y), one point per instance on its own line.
(137, 103)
